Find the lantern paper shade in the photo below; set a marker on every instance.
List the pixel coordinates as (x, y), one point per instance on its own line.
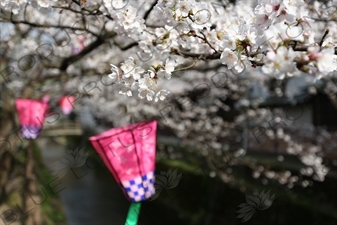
(129, 153)
(31, 116)
(66, 104)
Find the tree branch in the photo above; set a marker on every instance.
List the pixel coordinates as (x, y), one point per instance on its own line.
(146, 15)
(124, 48)
(66, 62)
(50, 26)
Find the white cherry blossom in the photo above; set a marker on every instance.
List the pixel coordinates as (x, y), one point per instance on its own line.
(279, 63)
(229, 58)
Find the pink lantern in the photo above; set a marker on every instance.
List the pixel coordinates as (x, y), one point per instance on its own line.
(130, 155)
(66, 104)
(46, 98)
(31, 116)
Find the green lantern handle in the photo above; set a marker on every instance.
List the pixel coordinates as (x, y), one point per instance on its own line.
(132, 217)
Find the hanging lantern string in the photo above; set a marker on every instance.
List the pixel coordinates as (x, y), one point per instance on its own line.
(133, 213)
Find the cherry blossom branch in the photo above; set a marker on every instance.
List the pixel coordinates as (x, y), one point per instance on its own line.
(50, 26)
(187, 67)
(66, 8)
(90, 12)
(124, 48)
(146, 15)
(305, 48)
(195, 55)
(323, 37)
(68, 61)
(205, 39)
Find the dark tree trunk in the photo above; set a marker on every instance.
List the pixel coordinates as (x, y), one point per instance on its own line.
(9, 140)
(6, 146)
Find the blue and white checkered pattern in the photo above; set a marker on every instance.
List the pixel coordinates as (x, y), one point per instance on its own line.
(140, 188)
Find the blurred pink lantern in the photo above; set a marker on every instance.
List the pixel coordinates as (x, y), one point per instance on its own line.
(46, 98)
(31, 116)
(130, 155)
(66, 104)
(80, 46)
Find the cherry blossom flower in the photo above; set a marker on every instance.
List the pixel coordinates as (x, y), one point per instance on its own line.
(125, 91)
(147, 80)
(182, 9)
(146, 92)
(168, 69)
(279, 63)
(116, 73)
(292, 6)
(326, 61)
(229, 58)
(161, 95)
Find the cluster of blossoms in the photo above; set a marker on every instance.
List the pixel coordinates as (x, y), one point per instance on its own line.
(276, 24)
(129, 74)
(241, 36)
(262, 36)
(127, 21)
